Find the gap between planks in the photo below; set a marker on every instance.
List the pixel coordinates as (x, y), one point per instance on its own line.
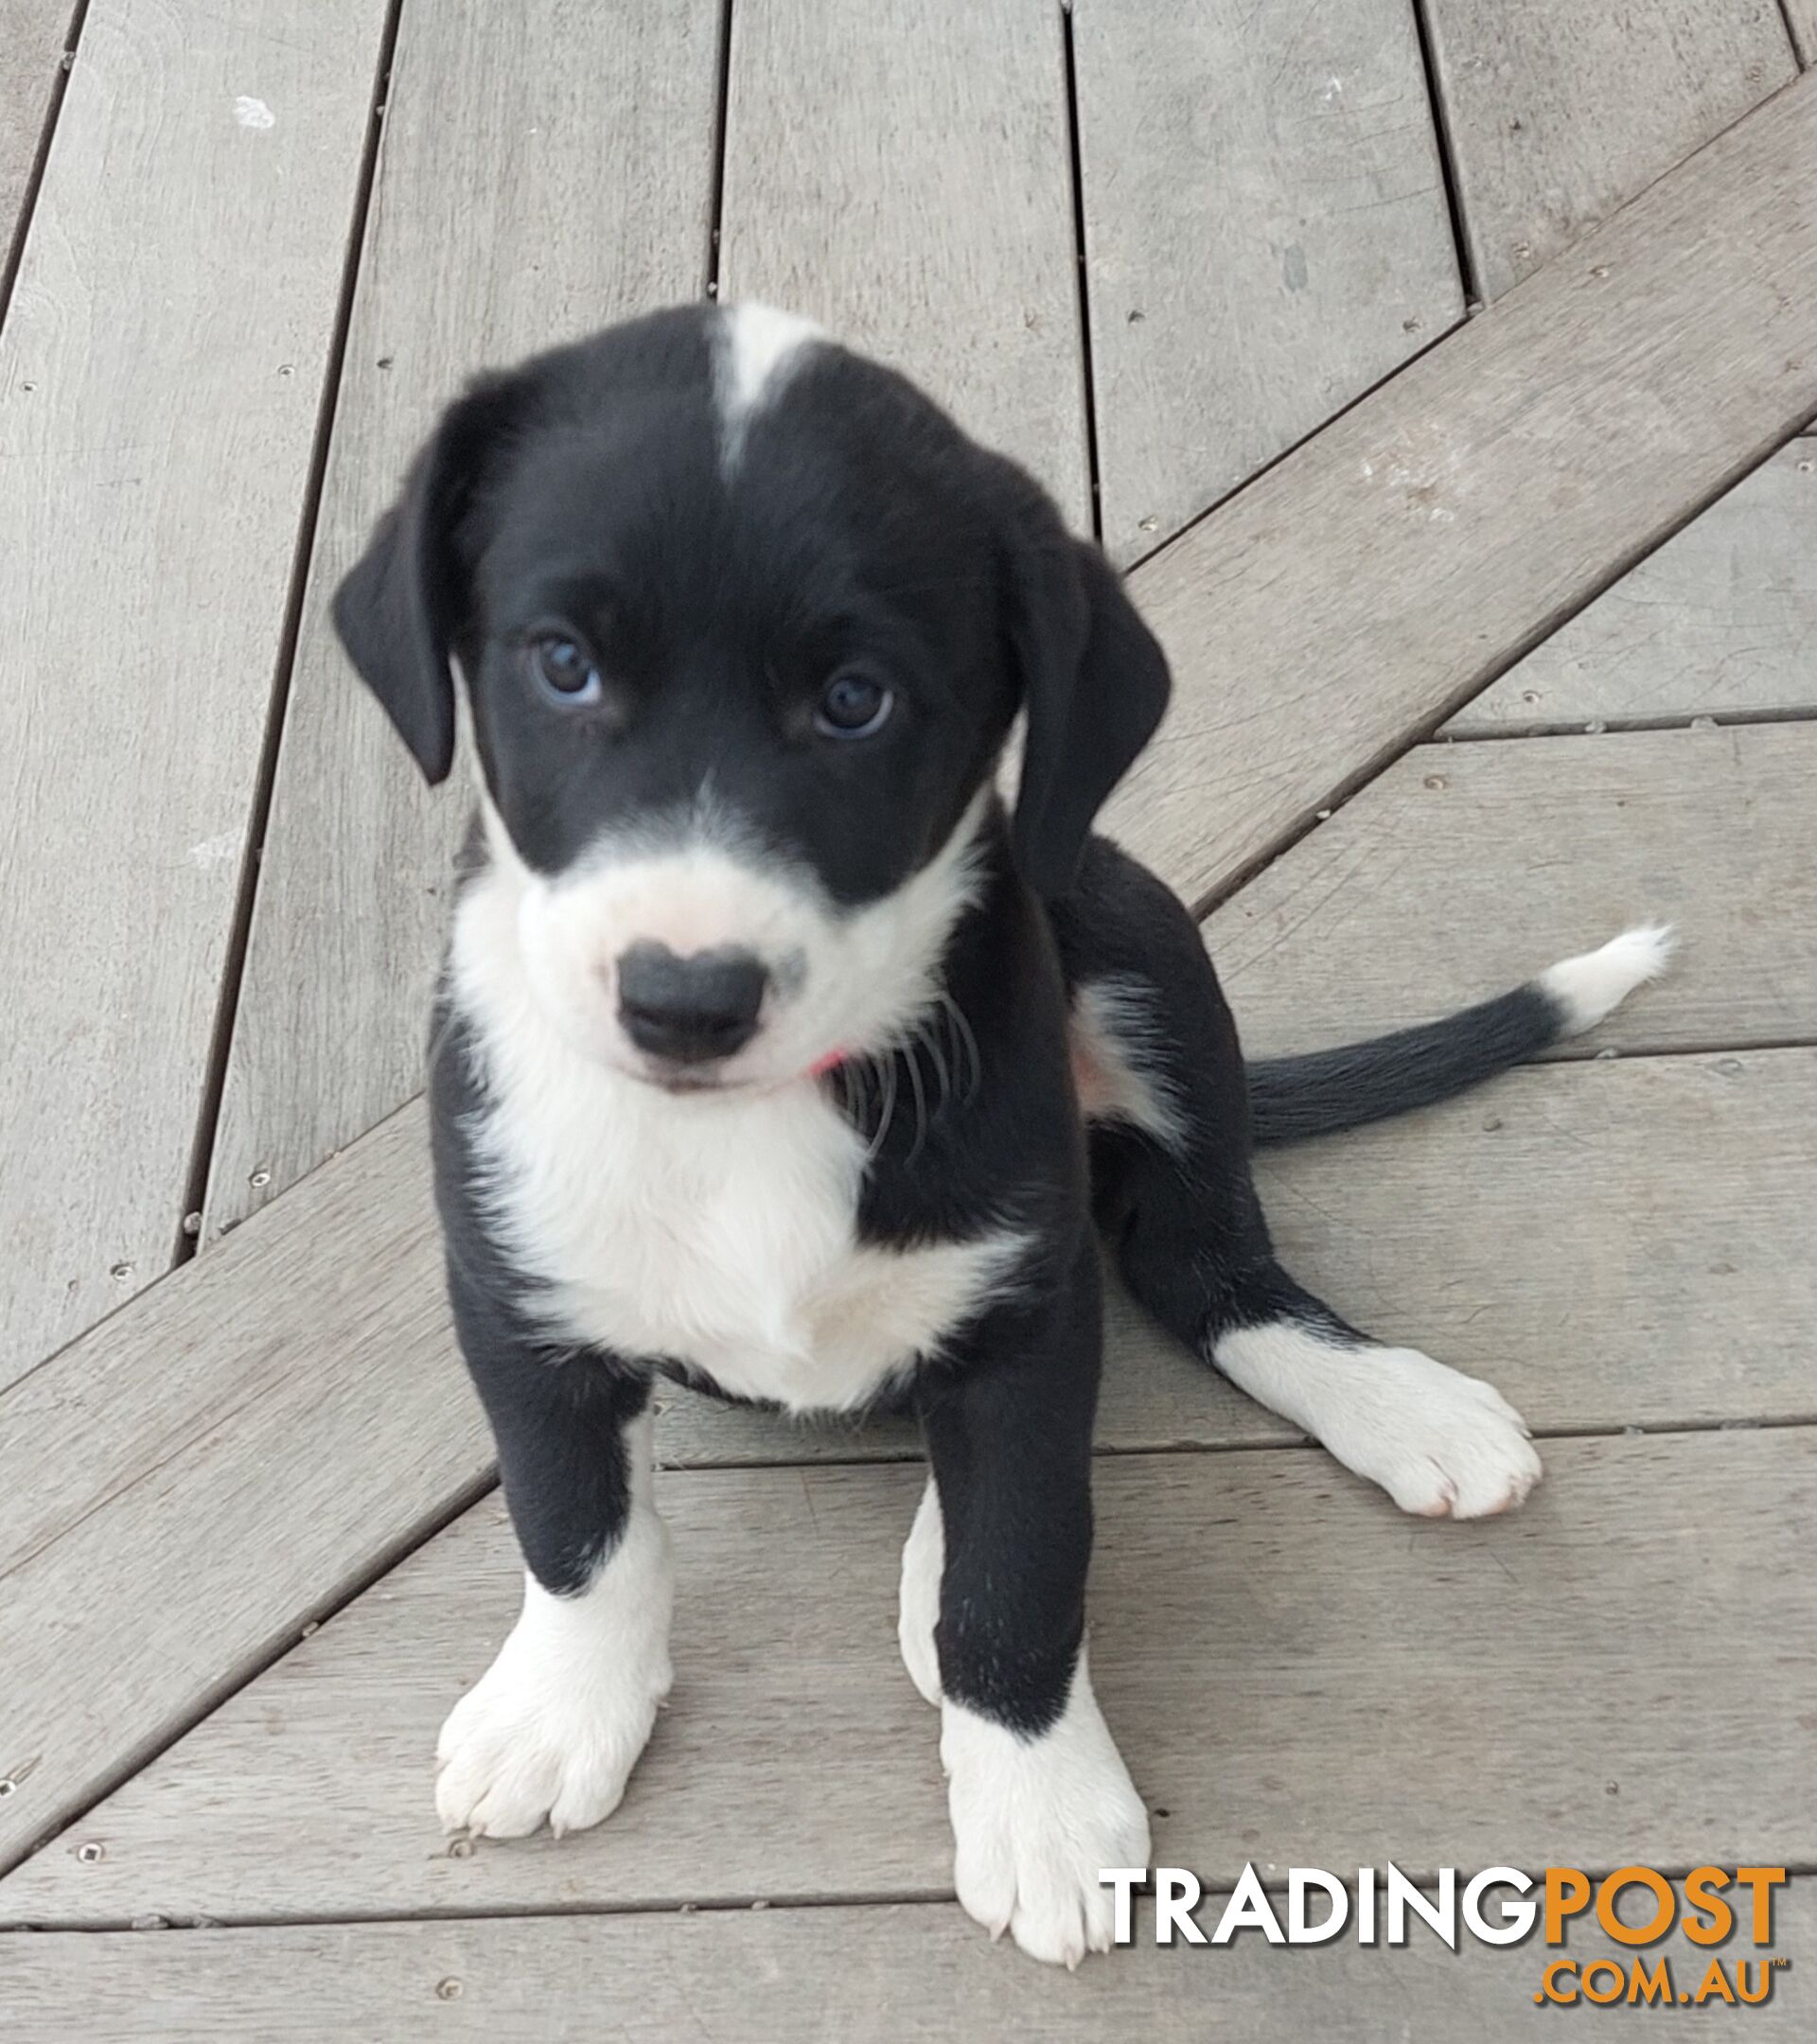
(1272, 1879)
(1087, 381)
(1617, 726)
(19, 183)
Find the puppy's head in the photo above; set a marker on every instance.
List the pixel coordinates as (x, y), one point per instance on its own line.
(744, 621)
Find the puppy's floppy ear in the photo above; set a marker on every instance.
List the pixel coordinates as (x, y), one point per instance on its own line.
(1095, 683)
(402, 604)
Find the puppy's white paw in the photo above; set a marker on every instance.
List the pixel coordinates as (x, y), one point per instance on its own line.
(924, 1557)
(551, 1732)
(1034, 1820)
(1442, 1445)
(512, 1756)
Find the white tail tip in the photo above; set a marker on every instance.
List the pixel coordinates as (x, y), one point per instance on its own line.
(1594, 983)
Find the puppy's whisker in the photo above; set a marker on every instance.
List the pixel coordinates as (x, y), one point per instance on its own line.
(927, 1036)
(849, 1092)
(912, 1061)
(964, 1039)
(886, 1067)
(861, 1095)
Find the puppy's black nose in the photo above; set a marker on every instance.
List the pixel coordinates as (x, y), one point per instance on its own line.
(689, 1009)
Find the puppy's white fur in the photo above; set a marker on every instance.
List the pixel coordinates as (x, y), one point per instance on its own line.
(1117, 1037)
(1440, 1444)
(759, 348)
(1035, 1819)
(554, 1726)
(716, 1229)
(924, 1561)
(1594, 983)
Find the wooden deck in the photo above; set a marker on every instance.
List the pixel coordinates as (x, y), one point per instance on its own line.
(1439, 372)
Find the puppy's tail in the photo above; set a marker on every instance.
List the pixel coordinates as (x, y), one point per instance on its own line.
(1292, 1098)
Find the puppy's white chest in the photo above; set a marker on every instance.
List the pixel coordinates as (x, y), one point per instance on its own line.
(720, 1234)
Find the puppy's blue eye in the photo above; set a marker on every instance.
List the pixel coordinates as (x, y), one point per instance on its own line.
(564, 667)
(852, 706)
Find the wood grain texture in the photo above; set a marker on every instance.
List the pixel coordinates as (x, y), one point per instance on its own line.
(188, 1484)
(1613, 1244)
(32, 37)
(1802, 16)
(1467, 869)
(1372, 581)
(1558, 113)
(1721, 622)
(545, 170)
(906, 1973)
(160, 375)
(1266, 236)
(902, 174)
(1261, 1631)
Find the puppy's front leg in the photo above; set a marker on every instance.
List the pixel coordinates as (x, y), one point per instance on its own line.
(1039, 1795)
(553, 1727)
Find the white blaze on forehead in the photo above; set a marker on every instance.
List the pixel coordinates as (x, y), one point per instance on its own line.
(759, 347)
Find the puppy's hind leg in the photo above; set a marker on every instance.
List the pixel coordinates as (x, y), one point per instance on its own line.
(1161, 1079)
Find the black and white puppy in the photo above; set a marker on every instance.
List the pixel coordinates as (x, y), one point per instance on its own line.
(774, 1055)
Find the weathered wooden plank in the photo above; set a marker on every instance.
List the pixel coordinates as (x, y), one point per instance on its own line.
(32, 37)
(1801, 16)
(545, 170)
(186, 1485)
(1612, 1244)
(910, 1973)
(1622, 1251)
(1464, 869)
(902, 173)
(169, 330)
(1296, 1673)
(1721, 622)
(1558, 114)
(1266, 236)
(1372, 581)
